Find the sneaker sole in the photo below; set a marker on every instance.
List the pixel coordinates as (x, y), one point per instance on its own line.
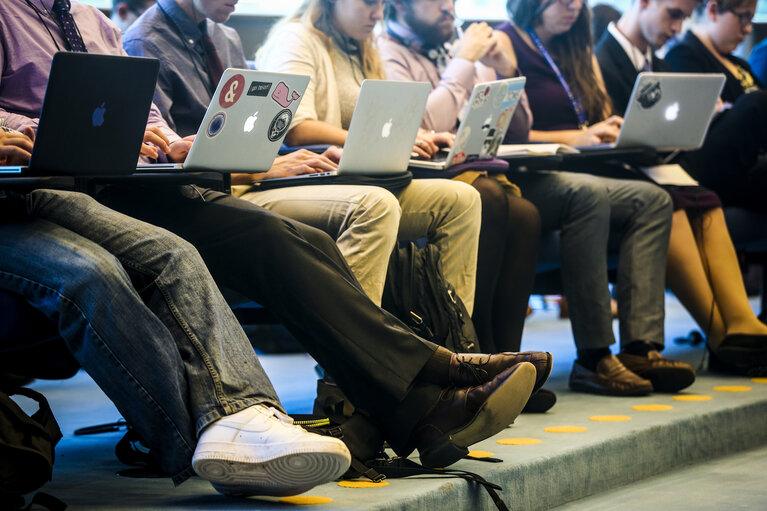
(281, 476)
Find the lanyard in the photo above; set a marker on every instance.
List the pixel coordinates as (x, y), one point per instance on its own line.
(574, 101)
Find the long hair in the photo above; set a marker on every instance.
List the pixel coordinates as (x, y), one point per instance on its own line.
(573, 52)
(317, 15)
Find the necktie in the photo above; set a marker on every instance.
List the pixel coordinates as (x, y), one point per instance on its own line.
(215, 67)
(646, 66)
(67, 23)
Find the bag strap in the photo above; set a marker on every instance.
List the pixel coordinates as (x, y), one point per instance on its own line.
(43, 417)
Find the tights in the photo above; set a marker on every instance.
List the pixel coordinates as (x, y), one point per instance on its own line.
(508, 249)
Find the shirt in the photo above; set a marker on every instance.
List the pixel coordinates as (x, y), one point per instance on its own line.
(26, 51)
(635, 55)
(184, 87)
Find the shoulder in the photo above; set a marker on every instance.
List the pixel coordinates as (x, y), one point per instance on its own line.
(391, 49)
(151, 27)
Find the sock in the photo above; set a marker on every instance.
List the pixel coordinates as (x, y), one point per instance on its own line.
(437, 368)
(640, 348)
(590, 358)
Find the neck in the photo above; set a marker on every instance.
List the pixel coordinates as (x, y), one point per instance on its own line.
(629, 26)
(544, 35)
(706, 40)
(188, 7)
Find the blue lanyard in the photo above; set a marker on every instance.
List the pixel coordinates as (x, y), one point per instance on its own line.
(574, 101)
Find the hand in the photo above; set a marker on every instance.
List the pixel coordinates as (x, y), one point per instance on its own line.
(16, 148)
(333, 153)
(300, 162)
(180, 149)
(501, 56)
(601, 132)
(476, 42)
(156, 137)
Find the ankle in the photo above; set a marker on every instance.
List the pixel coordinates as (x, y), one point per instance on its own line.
(437, 368)
(639, 348)
(591, 357)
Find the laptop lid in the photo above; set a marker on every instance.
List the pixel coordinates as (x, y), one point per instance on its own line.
(670, 111)
(383, 127)
(94, 114)
(246, 121)
(483, 125)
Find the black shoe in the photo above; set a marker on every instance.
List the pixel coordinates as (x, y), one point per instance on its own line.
(469, 369)
(540, 402)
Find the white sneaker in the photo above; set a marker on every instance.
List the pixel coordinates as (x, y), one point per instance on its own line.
(259, 451)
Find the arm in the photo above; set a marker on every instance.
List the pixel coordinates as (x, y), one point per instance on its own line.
(294, 164)
(312, 131)
(605, 131)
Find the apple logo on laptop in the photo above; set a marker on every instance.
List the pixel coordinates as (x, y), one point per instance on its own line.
(672, 112)
(386, 130)
(250, 122)
(98, 115)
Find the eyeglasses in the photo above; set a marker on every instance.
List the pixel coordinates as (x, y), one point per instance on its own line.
(744, 18)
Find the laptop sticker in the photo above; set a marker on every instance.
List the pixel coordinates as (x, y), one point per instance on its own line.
(216, 124)
(279, 125)
(458, 158)
(259, 89)
(283, 96)
(649, 94)
(481, 98)
(231, 91)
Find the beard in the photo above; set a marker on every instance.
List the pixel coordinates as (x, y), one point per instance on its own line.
(433, 35)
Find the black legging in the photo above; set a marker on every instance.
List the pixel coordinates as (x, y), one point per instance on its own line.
(508, 250)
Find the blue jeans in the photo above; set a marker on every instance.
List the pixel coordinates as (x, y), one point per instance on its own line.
(140, 312)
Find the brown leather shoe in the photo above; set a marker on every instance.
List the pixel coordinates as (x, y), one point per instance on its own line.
(610, 378)
(666, 375)
(469, 369)
(464, 416)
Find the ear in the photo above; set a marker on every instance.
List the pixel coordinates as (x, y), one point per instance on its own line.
(712, 9)
(643, 4)
(122, 10)
(398, 5)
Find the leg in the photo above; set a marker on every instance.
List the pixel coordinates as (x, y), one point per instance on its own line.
(363, 220)
(449, 214)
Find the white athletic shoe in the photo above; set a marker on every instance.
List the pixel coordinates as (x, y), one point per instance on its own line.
(259, 451)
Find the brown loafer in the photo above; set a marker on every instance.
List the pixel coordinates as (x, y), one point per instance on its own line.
(469, 369)
(464, 416)
(666, 375)
(610, 378)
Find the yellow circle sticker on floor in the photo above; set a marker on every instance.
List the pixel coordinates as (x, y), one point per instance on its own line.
(759, 380)
(691, 397)
(480, 454)
(306, 500)
(609, 418)
(732, 388)
(652, 408)
(565, 429)
(519, 441)
(362, 484)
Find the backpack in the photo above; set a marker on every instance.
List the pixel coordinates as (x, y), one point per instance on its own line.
(417, 293)
(26, 449)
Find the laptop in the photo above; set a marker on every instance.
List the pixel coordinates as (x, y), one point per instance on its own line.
(247, 118)
(483, 125)
(381, 133)
(93, 117)
(668, 111)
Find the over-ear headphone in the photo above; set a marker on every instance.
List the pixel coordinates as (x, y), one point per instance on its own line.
(433, 54)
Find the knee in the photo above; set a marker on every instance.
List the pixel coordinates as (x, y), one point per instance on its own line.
(588, 197)
(382, 208)
(522, 212)
(654, 200)
(493, 198)
(464, 199)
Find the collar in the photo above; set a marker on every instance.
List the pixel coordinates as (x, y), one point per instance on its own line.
(635, 55)
(189, 30)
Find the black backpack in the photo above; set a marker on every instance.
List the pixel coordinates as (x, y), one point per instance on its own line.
(26, 450)
(417, 293)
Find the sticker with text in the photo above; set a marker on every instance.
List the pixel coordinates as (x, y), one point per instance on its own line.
(259, 89)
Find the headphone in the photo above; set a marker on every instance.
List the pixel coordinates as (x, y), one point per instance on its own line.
(432, 54)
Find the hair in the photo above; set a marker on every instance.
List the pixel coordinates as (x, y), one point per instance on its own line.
(316, 14)
(724, 5)
(135, 6)
(573, 51)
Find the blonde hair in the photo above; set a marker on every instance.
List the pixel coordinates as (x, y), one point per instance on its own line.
(316, 14)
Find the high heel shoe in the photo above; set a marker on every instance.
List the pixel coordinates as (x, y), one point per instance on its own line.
(739, 353)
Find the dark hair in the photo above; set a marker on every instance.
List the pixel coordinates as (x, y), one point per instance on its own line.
(725, 5)
(136, 6)
(573, 52)
(390, 12)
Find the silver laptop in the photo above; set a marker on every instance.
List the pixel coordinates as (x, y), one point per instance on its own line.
(483, 124)
(248, 116)
(382, 131)
(668, 111)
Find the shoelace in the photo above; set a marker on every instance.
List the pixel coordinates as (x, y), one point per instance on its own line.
(475, 370)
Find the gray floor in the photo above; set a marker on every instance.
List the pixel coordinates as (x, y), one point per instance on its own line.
(85, 472)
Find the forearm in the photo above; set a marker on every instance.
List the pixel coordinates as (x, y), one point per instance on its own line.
(315, 132)
(558, 136)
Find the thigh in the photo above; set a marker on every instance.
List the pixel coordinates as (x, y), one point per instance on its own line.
(428, 204)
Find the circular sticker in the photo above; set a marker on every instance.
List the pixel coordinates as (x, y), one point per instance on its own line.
(280, 125)
(216, 124)
(231, 91)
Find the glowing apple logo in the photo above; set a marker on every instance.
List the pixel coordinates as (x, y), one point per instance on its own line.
(672, 112)
(386, 130)
(250, 122)
(98, 115)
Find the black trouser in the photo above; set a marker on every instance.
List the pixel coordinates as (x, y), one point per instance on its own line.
(297, 273)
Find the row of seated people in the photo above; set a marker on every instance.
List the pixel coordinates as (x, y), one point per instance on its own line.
(332, 43)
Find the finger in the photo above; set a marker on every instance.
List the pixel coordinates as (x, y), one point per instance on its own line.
(321, 165)
(149, 151)
(420, 152)
(150, 137)
(14, 155)
(30, 132)
(18, 140)
(157, 131)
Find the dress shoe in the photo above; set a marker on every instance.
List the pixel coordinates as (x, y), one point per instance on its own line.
(540, 402)
(742, 350)
(464, 416)
(666, 375)
(611, 378)
(259, 451)
(469, 369)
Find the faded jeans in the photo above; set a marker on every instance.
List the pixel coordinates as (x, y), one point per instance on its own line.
(138, 309)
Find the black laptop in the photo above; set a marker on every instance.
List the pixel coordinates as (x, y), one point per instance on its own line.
(94, 116)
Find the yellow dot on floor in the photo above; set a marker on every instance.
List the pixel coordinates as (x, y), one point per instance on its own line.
(759, 380)
(480, 454)
(362, 484)
(519, 441)
(609, 418)
(565, 429)
(732, 388)
(691, 397)
(652, 408)
(306, 500)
